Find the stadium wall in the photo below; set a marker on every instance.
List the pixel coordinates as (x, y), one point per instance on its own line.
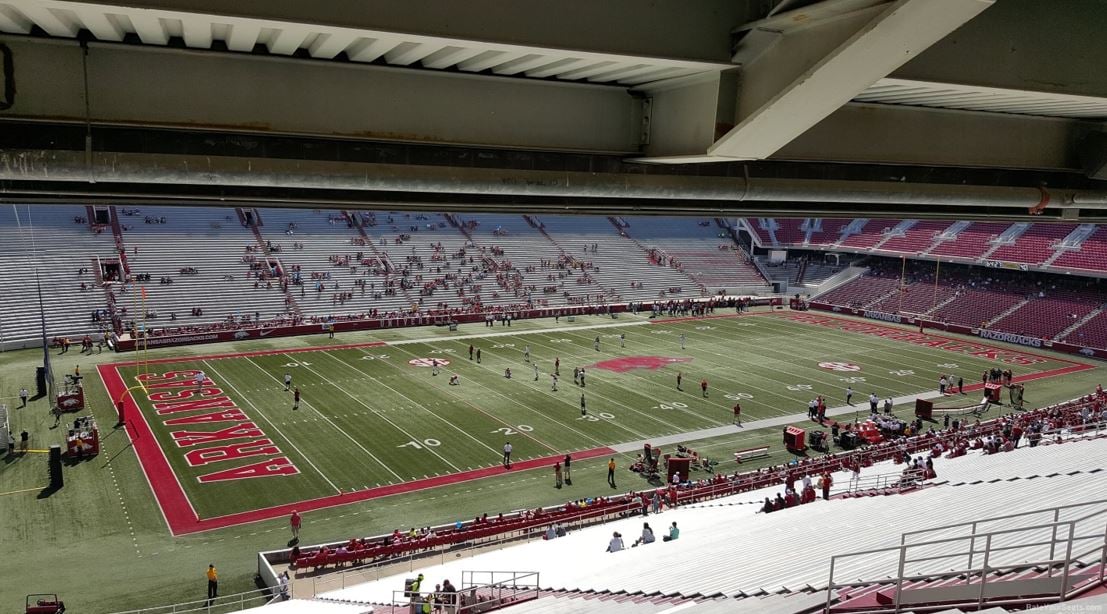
(127, 344)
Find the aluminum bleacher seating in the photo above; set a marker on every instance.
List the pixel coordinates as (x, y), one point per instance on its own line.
(705, 251)
(768, 564)
(49, 240)
(210, 240)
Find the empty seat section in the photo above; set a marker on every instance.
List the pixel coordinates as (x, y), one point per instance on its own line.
(916, 239)
(1034, 246)
(972, 242)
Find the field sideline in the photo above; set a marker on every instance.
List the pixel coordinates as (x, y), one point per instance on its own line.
(374, 422)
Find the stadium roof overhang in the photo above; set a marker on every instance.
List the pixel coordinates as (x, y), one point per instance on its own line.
(918, 92)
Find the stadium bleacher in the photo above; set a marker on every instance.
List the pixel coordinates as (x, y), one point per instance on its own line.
(709, 533)
(57, 246)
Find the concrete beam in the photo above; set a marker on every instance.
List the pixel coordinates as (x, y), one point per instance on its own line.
(150, 29)
(660, 28)
(204, 89)
(866, 52)
(917, 136)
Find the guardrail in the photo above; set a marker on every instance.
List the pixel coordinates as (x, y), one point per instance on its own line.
(480, 591)
(226, 603)
(373, 571)
(967, 570)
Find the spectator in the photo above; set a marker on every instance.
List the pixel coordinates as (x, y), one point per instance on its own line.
(616, 543)
(674, 533)
(647, 535)
(282, 583)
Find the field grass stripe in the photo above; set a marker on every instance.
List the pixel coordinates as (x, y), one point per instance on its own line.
(360, 402)
(340, 430)
(716, 374)
(612, 383)
(813, 374)
(413, 401)
(492, 416)
(541, 390)
(271, 423)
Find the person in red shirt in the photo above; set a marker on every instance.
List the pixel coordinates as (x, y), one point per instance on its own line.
(738, 414)
(294, 522)
(703, 386)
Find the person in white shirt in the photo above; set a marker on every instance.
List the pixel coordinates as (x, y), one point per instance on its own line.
(616, 543)
(507, 455)
(287, 382)
(647, 535)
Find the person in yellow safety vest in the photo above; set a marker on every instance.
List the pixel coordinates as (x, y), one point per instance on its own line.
(416, 599)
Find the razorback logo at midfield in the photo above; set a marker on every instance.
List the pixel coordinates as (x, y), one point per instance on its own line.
(181, 399)
(626, 363)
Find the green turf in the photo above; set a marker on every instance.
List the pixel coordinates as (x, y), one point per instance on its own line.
(102, 544)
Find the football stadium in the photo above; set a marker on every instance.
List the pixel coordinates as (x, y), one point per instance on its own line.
(726, 306)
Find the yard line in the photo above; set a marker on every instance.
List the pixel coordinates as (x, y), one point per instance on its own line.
(362, 403)
(923, 353)
(744, 385)
(275, 427)
(414, 402)
(356, 443)
(493, 417)
(510, 333)
(542, 390)
(835, 340)
(622, 387)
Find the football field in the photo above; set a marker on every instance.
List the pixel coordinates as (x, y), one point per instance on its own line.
(221, 443)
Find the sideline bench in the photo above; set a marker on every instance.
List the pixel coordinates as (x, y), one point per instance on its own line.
(741, 455)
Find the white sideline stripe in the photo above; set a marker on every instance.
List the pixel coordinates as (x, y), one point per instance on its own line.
(275, 427)
(516, 333)
(316, 410)
(862, 409)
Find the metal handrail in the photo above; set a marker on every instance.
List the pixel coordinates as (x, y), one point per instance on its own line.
(975, 523)
(516, 585)
(1061, 562)
(223, 603)
(529, 533)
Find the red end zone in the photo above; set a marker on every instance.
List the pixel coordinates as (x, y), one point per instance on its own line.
(179, 514)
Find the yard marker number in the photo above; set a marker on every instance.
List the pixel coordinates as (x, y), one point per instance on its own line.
(902, 372)
(374, 357)
(524, 428)
(430, 443)
(297, 364)
(738, 396)
(839, 366)
(676, 405)
(852, 380)
(799, 387)
(596, 418)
